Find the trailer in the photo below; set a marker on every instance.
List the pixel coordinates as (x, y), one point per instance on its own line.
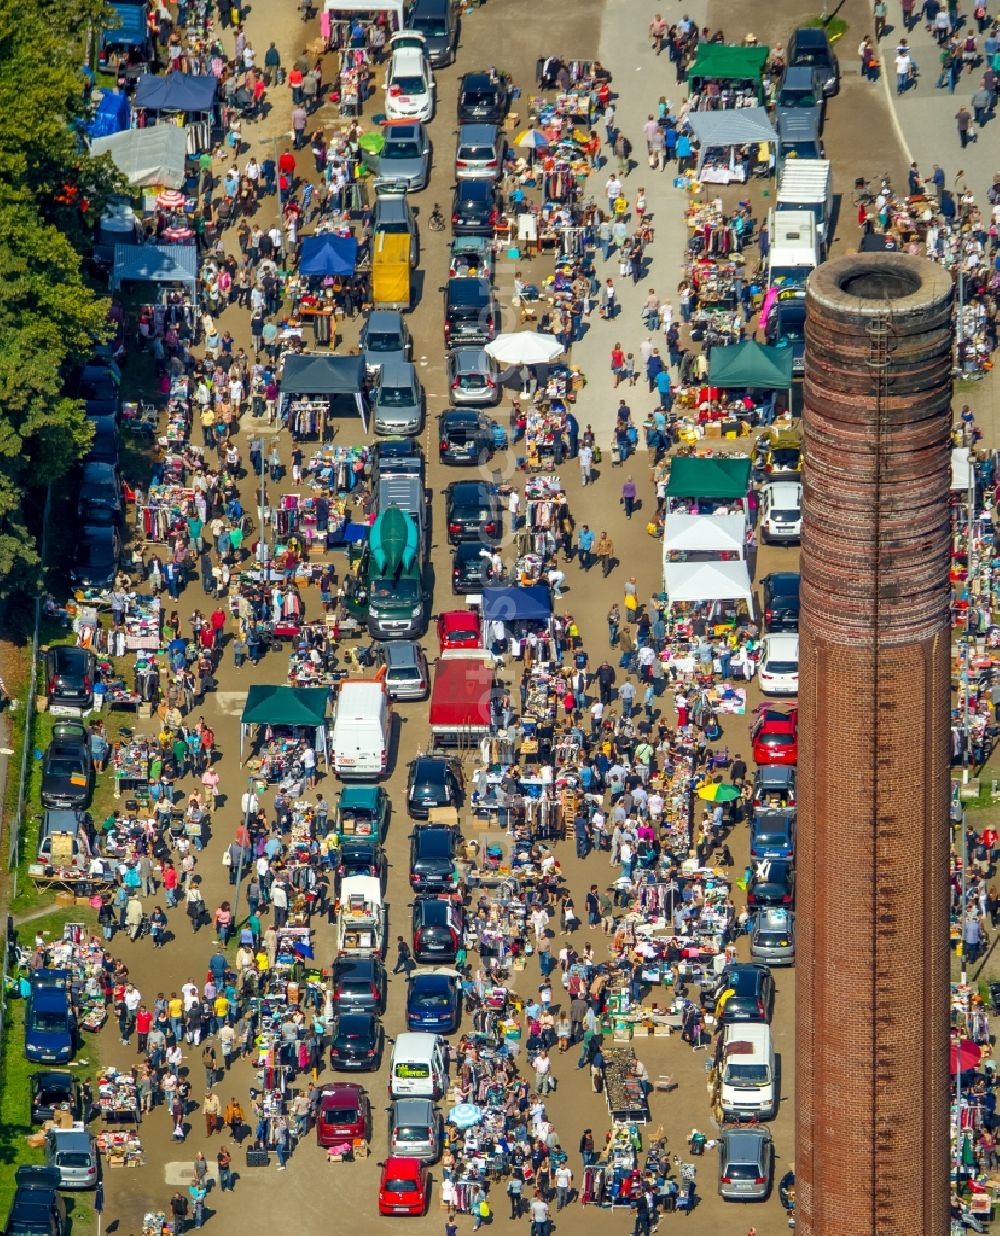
(361, 917)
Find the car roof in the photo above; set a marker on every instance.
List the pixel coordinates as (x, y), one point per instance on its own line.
(407, 60)
(428, 978)
(359, 795)
(338, 1091)
(403, 652)
(810, 36)
(799, 75)
(781, 641)
(424, 762)
(775, 774)
(459, 617)
(478, 78)
(785, 491)
(478, 133)
(745, 1141)
(79, 1139)
(468, 289)
(777, 579)
(385, 320)
(412, 1109)
(405, 131)
(355, 963)
(66, 652)
(396, 372)
(469, 490)
(456, 415)
(474, 360)
(475, 187)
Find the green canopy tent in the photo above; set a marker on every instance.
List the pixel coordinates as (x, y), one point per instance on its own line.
(722, 478)
(295, 707)
(728, 62)
(752, 366)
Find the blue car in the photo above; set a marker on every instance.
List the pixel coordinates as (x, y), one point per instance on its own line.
(432, 1002)
(49, 1021)
(772, 833)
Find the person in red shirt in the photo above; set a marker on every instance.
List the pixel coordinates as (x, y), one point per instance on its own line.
(169, 877)
(143, 1023)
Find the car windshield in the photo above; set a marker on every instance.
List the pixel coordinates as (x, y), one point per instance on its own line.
(67, 768)
(396, 396)
(410, 85)
(429, 25)
(482, 97)
(401, 150)
(47, 1021)
(340, 1115)
(383, 341)
(394, 590)
(747, 1074)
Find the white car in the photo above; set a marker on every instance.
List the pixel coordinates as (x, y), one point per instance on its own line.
(781, 513)
(778, 669)
(409, 86)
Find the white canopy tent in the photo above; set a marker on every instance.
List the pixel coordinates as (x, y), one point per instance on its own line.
(704, 534)
(961, 469)
(151, 156)
(368, 6)
(699, 582)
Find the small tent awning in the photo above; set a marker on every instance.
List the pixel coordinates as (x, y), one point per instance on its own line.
(722, 477)
(517, 604)
(752, 365)
(177, 92)
(727, 62)
(328, 255)
(704, 534)
(310, 373)
(696, 582)
(368, 6)
(739, 126)
(113, 114)
(152, 156)
(962, 473)
(155, 264)
(303, 707)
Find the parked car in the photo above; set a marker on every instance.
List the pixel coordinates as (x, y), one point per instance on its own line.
(432, 1001)
(483, 97)
(405, 158)
(773, 786)
(775, 736)
(752, 996)
(396, 457)
(471, 313)
(781, 513)
(479, 151)
(394, 216)
(460, 628)
(801, 85)
(432, 859)
(437, 934)
(473, 377)
(384, 338)
(772, 832)
(73, 1154)
(358, 985)
(772, 883)
(471, 257)
(95, 557)
(786, 328)
(101, 485)
(778, 669)
(357, 1042)
(63, 838)
(55, 1090)
(70, 674)
(780, 601)
(469, 569)
(67, 768)
(464, 437)
(362, 811)
(810, 45)
(49, 1019)
(105, 445)
(746, 1163)
(414, 1129)
(344, 1114)
(434, 781)
(772, 936)
(100, 378)
(409, 85)
(473, 512)
(403, 1187)
(360, 856)
(406, 674)
(397, 399)
(437, 21)
(474, 207)
(37, 1208)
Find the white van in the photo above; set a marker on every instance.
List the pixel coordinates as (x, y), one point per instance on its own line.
(362, 726)
(418, 1067)
(746, 1064)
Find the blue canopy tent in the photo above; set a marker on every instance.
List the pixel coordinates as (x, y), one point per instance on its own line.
(194, 98)
(113, 115)
(531, 604)
(328, 255)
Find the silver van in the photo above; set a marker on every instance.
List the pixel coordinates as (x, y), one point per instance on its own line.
(73, 1153)
(414, 1129)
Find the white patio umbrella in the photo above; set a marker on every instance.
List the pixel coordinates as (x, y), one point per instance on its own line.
(524, 347)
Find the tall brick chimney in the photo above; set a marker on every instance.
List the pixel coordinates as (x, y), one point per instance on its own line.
(871, 1042)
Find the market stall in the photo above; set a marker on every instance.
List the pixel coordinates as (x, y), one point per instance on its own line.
(699, 582)
(148, 158)
(179, 97)
(310, 386)
(281, 716)
(700, 484)
(727, 76)
(162, 265)
(510, 613)
(733, 144)
(325, 261)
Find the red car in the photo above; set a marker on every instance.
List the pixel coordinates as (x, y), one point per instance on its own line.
(402, 1189)
(460, 628)
(344, 1115)
(775, 736)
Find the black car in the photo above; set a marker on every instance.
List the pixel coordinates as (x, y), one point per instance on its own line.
(473, 512)
(474, 208)
(67, 768)
(432, 858)
(100, 409)
(437, 21)
(105, 444)
(357, 1043)
(38, 1208)
(360, 856)
(787, 329)
(99, 380)
(471, 313)
(809, 45)
(780, 601)
(358, 985)
(434, 781)
(95, 556)
(101, 486)
(69, 678)
(468, 568)
(464, 437)
(772, 883)
(396, 457)
(55, 1090)
(482, 97)
(437, 929)
(753, 994)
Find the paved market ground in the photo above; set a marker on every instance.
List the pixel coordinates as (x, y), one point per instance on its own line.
(861, 139)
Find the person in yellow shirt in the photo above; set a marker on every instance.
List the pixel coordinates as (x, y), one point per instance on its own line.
(175, 1011)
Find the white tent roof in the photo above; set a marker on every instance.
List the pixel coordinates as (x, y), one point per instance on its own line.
(704, 534)
(961, 469)
(737, 126)
(707, 581)
(152, 156)
(368, 6)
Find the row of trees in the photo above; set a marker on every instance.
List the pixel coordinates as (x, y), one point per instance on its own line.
(50, 193)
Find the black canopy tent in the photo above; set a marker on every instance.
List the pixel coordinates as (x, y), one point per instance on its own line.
(313, 376)
(180, 94)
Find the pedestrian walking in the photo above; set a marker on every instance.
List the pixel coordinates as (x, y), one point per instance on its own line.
(586, 458)
(605, 552)
(225, 1161)
(963, 122)
(404, 957)
(629, 497)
